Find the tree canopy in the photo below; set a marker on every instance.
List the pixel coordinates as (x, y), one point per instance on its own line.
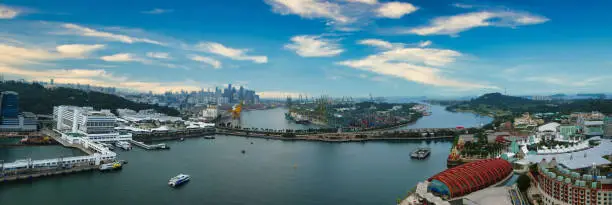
(35, 98)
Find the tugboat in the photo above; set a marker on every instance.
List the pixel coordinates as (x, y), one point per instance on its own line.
(421, 153)
(178, 180)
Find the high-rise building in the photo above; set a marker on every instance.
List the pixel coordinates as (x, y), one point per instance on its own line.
(11, 119)
(9, 105)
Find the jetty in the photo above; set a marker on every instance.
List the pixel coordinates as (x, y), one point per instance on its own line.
(149, 147)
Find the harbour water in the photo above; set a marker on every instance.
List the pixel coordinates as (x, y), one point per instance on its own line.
(270, 119)
(270, 172)
(441, 118)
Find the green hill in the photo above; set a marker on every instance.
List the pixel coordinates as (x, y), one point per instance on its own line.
(497, 104)
(40, 100)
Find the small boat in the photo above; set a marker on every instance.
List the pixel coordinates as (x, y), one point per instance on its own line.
(123, 145)
(110, 166)
(182, 139)
(178, 180)
(421, 153)
(209, 137)
(243, 151)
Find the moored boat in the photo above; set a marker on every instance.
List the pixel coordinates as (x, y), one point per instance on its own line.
(111, 166)
(123, 145)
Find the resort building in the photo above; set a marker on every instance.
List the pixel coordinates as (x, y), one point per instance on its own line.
(469, 177)
(560, 185)
(526, 122)
(149, 115)
(98, 126)
(465, 182)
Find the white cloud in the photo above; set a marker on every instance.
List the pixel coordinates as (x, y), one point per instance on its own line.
(101, 78)
(123, 57)
(569, 81)
(376, 43)
(157, 11)
(78, 50)
(463, 6)
(314, 46)
(280, 94)
(452, 25)
(17, 55)
(424, 43)
(413, 64)
(208, 60)
(233, 53)
(102, 66)
(370, 2)
(21, 55)
(84, 31)
(310, 9)
(8, 12)
(159, 55)
(395, 9)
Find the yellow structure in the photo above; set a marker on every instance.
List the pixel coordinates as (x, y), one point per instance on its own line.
(236, 110)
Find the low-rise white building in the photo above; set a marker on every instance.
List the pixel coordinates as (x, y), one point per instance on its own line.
(98, 126)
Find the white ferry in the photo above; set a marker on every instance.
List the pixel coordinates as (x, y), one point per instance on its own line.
(178, 180)
(123, 145)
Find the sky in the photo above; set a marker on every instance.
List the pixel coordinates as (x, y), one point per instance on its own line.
(313, 47)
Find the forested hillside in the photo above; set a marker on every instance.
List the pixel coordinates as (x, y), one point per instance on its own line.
(40, 100)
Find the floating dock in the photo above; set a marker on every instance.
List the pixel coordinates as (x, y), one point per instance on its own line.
(149, 147)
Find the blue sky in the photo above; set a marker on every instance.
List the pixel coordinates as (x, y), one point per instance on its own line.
(314, 47)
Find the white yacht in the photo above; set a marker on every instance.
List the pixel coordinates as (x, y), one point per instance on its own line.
(178, 180)
(123, 145)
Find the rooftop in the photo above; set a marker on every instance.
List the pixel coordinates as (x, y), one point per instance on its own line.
(576, 160)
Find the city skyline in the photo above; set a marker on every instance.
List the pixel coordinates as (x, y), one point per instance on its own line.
(336, 48)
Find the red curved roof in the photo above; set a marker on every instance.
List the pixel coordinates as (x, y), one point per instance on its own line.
(473, 176)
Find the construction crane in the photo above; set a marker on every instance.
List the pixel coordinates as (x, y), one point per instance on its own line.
(236, 110)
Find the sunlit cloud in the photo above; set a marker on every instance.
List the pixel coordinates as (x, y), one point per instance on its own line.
(208, 60)
(412, 64)
(232, 53)
(157, 11)
(74, 29)
(7, 12)
(314, 46)
(452, 25)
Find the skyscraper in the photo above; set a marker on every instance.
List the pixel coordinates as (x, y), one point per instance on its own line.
(9, 104)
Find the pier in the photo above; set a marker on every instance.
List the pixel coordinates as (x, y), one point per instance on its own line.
(46, 172)
(149, 147)
(28, 168)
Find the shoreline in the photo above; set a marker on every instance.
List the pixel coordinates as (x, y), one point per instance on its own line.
(335, 139)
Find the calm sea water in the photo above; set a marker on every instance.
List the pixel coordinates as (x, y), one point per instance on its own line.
(440, 118)
(269, 173)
